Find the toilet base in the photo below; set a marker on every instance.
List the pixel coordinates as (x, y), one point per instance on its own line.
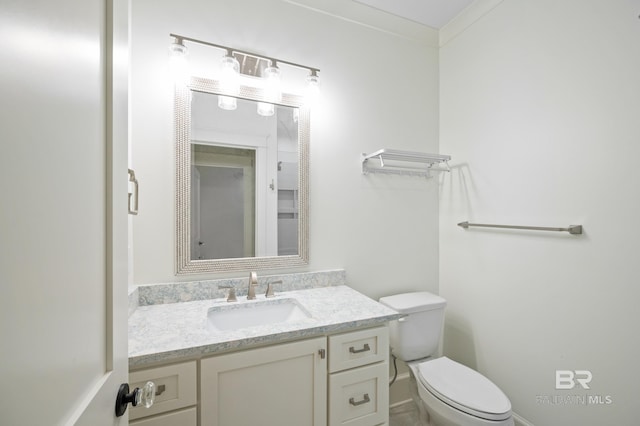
(423, 415)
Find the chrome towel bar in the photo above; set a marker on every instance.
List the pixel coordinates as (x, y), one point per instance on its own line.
(572, 229)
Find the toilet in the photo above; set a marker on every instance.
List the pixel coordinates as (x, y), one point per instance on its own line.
(446, 393)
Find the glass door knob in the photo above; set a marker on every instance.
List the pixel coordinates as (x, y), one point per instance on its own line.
(145, 396)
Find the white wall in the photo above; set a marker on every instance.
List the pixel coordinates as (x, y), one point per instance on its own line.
(540, 102)
(380, 90)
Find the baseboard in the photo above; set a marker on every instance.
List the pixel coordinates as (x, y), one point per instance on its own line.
(399, 392)
(399, 403)
(519, 421)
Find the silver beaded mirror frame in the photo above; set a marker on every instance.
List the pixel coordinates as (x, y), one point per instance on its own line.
(184, 262)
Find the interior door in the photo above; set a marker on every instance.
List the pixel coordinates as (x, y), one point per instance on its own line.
(63, 216)
(223, 201)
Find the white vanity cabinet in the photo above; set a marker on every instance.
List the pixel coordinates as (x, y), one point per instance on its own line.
(335, 380)
(284, 385)
(359, 378)
(176, 396)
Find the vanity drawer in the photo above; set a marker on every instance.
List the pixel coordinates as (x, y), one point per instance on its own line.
(176, 387)
(359, 397)
(350, 350)
(186, 417)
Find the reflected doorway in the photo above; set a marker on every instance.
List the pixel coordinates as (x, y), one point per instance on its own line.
(223, 186)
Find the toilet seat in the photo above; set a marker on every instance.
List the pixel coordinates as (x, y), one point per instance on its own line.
(464, 389)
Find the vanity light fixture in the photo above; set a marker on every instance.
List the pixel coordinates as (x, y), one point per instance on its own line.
(228, 103)
(232, 70)
(313, 88)
(178, 61)
(266, 109)
(229, 81)
(272, 90)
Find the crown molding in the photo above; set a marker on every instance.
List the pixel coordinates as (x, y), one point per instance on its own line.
(465, 19)
(370, 17)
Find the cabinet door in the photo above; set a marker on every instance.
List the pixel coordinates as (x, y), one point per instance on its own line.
(284, 385)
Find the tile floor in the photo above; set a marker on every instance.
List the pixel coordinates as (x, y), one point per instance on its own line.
(404, 415)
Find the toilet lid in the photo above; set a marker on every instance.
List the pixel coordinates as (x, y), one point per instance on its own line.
(464, 389)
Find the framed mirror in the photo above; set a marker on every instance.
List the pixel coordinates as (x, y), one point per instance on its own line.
(242, 191)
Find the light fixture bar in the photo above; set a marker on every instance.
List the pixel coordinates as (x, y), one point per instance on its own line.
(180, 39)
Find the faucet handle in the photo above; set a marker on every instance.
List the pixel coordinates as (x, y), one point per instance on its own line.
(232, 293)
(269, 292)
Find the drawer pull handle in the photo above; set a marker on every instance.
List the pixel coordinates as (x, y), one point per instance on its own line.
(160, 390)
(355, 403)
(357, 351)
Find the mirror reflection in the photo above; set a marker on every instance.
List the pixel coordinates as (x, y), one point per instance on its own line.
(222, 202)
(244, 180)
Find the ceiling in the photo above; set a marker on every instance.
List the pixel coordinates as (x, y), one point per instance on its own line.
(433, 13)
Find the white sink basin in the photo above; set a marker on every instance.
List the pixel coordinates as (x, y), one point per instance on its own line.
(251, 314)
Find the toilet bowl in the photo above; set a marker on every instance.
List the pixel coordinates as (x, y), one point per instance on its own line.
(446, 393)
(455, 395)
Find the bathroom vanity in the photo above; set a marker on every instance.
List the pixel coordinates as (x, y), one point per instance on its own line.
(328, 366)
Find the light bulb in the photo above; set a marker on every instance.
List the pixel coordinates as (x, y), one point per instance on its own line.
(227, 102)
(265, 109)
(272, 90)
(178, 62)
(230, 75)
(312, 95)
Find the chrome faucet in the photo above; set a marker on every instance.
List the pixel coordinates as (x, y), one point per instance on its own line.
(253, 282)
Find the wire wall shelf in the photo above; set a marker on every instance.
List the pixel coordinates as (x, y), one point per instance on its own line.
(397, 162)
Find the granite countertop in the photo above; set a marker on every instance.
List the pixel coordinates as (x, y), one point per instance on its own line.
(170, 332)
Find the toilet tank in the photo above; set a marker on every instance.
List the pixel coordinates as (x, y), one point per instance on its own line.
(417, 335)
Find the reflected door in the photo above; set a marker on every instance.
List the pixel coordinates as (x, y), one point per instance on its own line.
(223, 217)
